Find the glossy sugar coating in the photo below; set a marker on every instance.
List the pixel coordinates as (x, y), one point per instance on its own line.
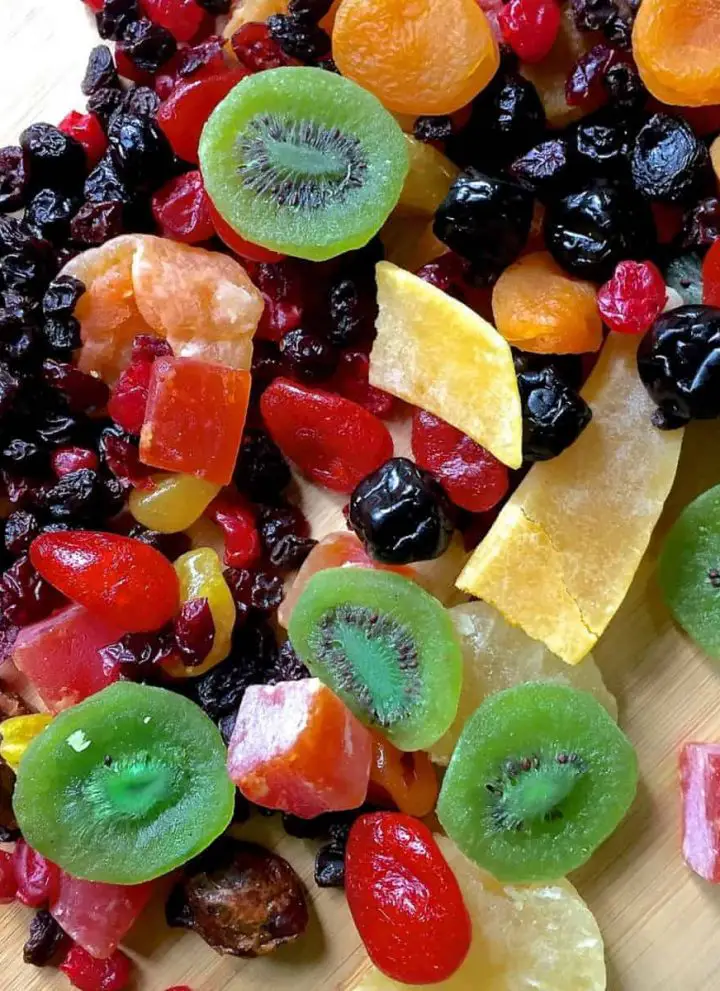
(297, 748)
(497, 656)
(173, 503)
(98, 916)
(438, 354)
(589, 512)
(538, 307)
(200, 574)
(427, 57)
(525, 937)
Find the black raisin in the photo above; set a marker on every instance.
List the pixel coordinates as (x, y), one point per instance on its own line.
(100, 72)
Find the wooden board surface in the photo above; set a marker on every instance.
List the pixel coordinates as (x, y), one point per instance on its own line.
(661, 924)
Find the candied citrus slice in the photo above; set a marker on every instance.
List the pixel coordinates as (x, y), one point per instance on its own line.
(540, 936)
(438, 354)
(417, 56)
(675, 44)
(574, 532)
(201, 301)
(108, 315)
(539, 307)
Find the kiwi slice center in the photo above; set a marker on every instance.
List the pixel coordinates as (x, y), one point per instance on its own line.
(133, 788)
(373, 657)
(532, 789)
(301, 163)
(714, 577)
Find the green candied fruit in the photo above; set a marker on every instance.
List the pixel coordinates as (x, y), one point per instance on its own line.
(125, 786)
(540, 776)
(303, 161)
(386, 647)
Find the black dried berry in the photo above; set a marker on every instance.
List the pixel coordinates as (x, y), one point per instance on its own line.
(433, 128)
(46, 941)
(507, 118)
(49, 213)
(100, 72)
(669, 162)
(554, 415)
(261, 591)
(679, 363)
(288, 666)
(543, 168)
(330, 867)
(486, 220)
(569, 367)
(284, 532)
(352, 306)
(21, 528)
(104, 184)
(115, 17)
(96, 223)
(104, 103)
(13, 178)
(77, 495)
(59, 429)
(299, 38)
(9, 388)
(701, 224)
(147, 45)
(53, 159)
(309, 10)
(61, 335)
(309, 357)
(601, 145)
(625, 87)
(216, 7)
(261, 471)
(139, 150)
(401, 514)
(141, 101)
(590, 231)
(28, 274)
(62, 296)
(14, 235)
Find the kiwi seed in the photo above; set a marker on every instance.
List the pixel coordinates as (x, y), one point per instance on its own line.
(531, 789)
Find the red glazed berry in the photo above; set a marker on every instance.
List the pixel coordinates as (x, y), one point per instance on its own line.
(95, 5)
(88, 974)
(333, 441)
(181, 209)
(183, 115)
(182, 18)
(87, 129)
(282, 290)
(67, 459)
(126, 581)
(585, 86)
(530, 27)
(130, 395)
(633, 297)
(256, 50)
(404, 899)
(236, 518)
(471, 476)
(194, 630)
(233, 240)
(446, 272)
(128, 70)
(8, 883)
(82, 391)
(37, 879)
(711, 276)
(351, 381)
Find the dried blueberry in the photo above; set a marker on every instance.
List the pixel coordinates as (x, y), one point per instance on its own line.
(261, 471)
(288, 666)
(62, 335)
(330, 867)
(625, 87)
(299, 38)
(544, 167)
(139, 150)
(669, 162)
(115, 17)
(309, 357)
(352, 305)
(25, 597)
(100, 72)
(77, 495)
(49, 213)
(433, 128)
(554, 415)
(701, 224)
(62, 295)
(9, 388)
(569, 367)
(147, 45)
(284, 532)
(104, 103)
(13, 178)
(53, 159)
(141, 101)
(507, 118)
(46, 941)
(601, 144)
(261, 591)
(21, 528)
(96, 223)
(104, 184)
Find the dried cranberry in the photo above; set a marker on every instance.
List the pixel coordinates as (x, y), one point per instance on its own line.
(241, 899)
(130, 395)
(262, 591)
(633, 298)
(137, 650)
(25, 597)
(96, 223)
(281, 287)
(447, 273)
(194, 631)
(181, 209)
(206, 56)
(147, 45)
(88, 974)
(69, 459)
(13, 178)
(82, 391)
(122, 457)
(46, 940)
(585, 86)
(261, 471)
(255, 49)
(351, 380)
(100, 71)
(236, 518)
(37, 878)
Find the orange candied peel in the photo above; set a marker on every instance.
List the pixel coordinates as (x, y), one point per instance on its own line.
(538, 307)
(416, 56)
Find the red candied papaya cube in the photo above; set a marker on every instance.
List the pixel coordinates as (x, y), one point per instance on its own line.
(194, 418)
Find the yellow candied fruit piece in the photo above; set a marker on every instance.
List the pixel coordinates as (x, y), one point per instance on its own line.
(428, 180)
(201, 577)
(18, 732)
(174, 502)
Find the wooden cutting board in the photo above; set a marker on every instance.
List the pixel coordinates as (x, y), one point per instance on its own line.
(661, 923)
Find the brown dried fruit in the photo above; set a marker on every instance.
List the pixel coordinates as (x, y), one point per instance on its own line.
(242, 899)
(46, 941)
(11, 704)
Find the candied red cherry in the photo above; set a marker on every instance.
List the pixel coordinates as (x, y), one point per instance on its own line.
(404, 899)
(87, 129)
(37, 878)
(182, 18)
(88, 974)
(472, 477)
(631, 300)
(183, 115)
(256, 50)
(181, 209)
(236, 518)
(530, 27)
(238, 244)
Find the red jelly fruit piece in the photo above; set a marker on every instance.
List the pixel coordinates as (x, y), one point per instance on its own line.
(8, 884)
(332, 440)
(404, 899)
(236, 243)
(97, 916)
(256, 49)
(37, 878)
(88, 974)
(181, 209)
(530, 27)
(182, 18)
(67, 459)
(124, 580)
(195, 417)
(128, 400)
(281, 286)
(87, 129)
(236, 518)
(711, 276)
(700, 787)
(183, 115)
(473, 478)
(351, 381)
(633, 297)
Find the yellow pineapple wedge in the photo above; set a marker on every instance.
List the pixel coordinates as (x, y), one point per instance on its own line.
(561, 555)
(438, 354)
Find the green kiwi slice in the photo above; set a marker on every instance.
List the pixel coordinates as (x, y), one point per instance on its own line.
(689, 571)
(386, 647)
(540, 777)
(303, 161)
(125, 786)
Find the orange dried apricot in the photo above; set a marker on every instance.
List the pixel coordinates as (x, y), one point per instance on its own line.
(538, 307)
(675, 44)
(416, 56)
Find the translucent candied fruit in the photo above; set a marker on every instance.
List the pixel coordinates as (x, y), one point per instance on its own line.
(173, 502)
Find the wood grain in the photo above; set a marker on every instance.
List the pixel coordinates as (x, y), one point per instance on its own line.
(661, 924)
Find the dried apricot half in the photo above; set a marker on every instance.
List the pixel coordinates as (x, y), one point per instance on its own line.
(416, 56)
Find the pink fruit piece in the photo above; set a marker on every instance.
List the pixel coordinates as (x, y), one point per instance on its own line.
(60, 656)
(700, 787)
(297, 748)
(96, 915)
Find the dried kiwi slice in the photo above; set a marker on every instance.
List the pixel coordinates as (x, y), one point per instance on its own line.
(386, 647)
(540, 777)
(689, 571)
(302, 161)
(125, 786)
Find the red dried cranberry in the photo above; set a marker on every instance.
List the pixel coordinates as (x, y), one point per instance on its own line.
(585, 86)
(181, 209)
(447, 273)
(88, 974)
(256, 50)
(281, 288)
(351, 380)
(25, 597)
(82, 391)
(8, 884)
(96, 223)
(530, 27)
(194, 631)
(122, 457)
(68, 459)
(236, 518)
(182, 18)
(36, 877)
(87, 129)
(633, 298)
(262, 591)
(136, 650)
(130, 395)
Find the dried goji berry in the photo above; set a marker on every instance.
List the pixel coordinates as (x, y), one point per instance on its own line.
(181, 209)
(633, 297)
